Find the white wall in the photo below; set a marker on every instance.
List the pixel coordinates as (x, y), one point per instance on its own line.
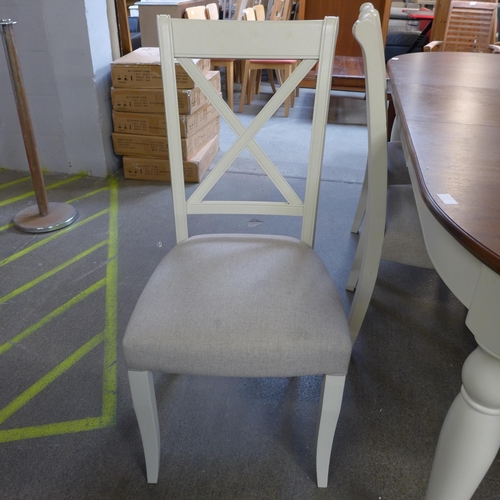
(64, 51)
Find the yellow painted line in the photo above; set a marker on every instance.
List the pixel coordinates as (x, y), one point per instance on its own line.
(87, 195)
(31, 193)
(56, 372)
(29, 249)
(111, 324)
(85, 424)
(108, 337)
(54, 314)
(13, 183)
(50, 273)
(3, 228)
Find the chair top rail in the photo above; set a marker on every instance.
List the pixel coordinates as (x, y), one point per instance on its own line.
(253, 41)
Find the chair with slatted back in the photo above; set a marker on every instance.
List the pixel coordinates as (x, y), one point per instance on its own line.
(265, 305)
(470, 27)
(212, 13)
(391, 229)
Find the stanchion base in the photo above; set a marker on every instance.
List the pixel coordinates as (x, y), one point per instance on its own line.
(60, 215)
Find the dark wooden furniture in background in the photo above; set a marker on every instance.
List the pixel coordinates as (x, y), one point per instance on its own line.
(348, 71)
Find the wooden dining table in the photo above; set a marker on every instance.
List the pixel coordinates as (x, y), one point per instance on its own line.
(448, 120)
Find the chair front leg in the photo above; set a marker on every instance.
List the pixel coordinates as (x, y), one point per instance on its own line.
(144, 400)
(332, 392)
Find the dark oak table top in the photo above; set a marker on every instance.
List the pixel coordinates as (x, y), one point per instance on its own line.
(449, 106)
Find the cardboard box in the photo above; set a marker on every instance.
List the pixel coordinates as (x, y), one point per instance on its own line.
(141, 69)
(151, 100)
(154, 124)
(157, 146)
(158, 169)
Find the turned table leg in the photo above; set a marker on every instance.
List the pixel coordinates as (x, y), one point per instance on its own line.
(470, 437)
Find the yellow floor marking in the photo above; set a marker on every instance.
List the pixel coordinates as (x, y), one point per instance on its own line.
(47, 379)
(13, 183)
(31, 193)
(50, 273)
(85, 424)
(108, 336)
(87, 195)
(3, 228)
(54, 314)
(59, 233)
(110, 348)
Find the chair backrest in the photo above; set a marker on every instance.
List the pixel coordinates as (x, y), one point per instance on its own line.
(212, 11)
(367, 31)
(197, 12)
(260, 12)
(470, 26)
(249, 14)
(312, 42)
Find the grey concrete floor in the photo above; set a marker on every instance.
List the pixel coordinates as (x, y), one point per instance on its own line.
(67, 427)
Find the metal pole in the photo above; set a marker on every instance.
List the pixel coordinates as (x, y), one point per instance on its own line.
(50, 216)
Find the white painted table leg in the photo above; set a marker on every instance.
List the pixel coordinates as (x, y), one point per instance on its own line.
(470, 437)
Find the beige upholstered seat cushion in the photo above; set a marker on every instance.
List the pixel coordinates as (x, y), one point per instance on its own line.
(239, 305)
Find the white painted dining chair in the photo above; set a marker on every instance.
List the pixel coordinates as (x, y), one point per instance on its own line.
(266, 305)
(391, 228)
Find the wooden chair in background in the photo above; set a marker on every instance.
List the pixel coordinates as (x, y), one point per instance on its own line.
(249, 14)
(470, 27)
(260, 12)
(197, 12)
(241, 5)
(212, 13)
(252, 68)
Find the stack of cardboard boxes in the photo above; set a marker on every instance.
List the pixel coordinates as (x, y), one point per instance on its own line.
(139, 118)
